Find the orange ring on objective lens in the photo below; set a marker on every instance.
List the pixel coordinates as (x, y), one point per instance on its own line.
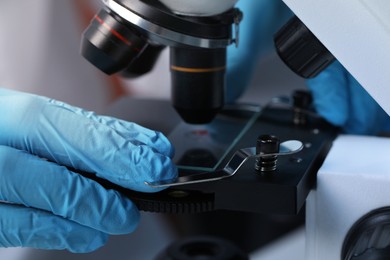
(197, 70)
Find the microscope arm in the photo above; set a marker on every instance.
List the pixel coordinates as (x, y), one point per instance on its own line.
(357, 33)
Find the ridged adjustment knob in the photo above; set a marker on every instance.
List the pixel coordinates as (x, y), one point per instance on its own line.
(300, 49)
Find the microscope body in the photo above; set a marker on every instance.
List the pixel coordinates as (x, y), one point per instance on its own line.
(357, 33)
(353, 182)
(347, 212)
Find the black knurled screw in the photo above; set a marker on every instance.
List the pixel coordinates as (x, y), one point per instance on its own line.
(267, 144)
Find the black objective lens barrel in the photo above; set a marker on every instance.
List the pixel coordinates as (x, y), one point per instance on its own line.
(144, 63)
(109, 44)
(198, 80)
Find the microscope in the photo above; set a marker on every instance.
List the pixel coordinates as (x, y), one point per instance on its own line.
(247, 158)
(128, 36)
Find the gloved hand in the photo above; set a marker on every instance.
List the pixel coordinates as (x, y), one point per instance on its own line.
(342, 101)
(45, 205)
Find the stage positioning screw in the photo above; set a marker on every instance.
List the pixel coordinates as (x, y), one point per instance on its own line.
(302, 100)
(267, 144)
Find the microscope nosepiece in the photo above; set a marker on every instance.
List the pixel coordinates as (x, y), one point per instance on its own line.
(127, 36)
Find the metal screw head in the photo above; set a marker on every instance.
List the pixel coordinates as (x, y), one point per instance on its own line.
(267, 144)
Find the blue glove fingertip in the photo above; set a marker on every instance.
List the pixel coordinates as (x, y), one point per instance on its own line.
(165, 147)
(163, 169)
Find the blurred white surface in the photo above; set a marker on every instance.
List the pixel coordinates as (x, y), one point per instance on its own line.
(39, 53)
(14, 253)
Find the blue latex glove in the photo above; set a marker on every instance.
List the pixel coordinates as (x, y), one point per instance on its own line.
(341, 100)
(262, 19)
(51, 207)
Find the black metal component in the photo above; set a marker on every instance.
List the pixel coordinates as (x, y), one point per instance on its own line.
(109, 44)
(300, 49)
(369, 237)
(284, 192)
(168, 201)
(199, 157)
(144, 63)
(247, 230)
(218, 26)
(266, 144)
(302, 101)
(198, 80)
(173, 201)
(202, 248)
